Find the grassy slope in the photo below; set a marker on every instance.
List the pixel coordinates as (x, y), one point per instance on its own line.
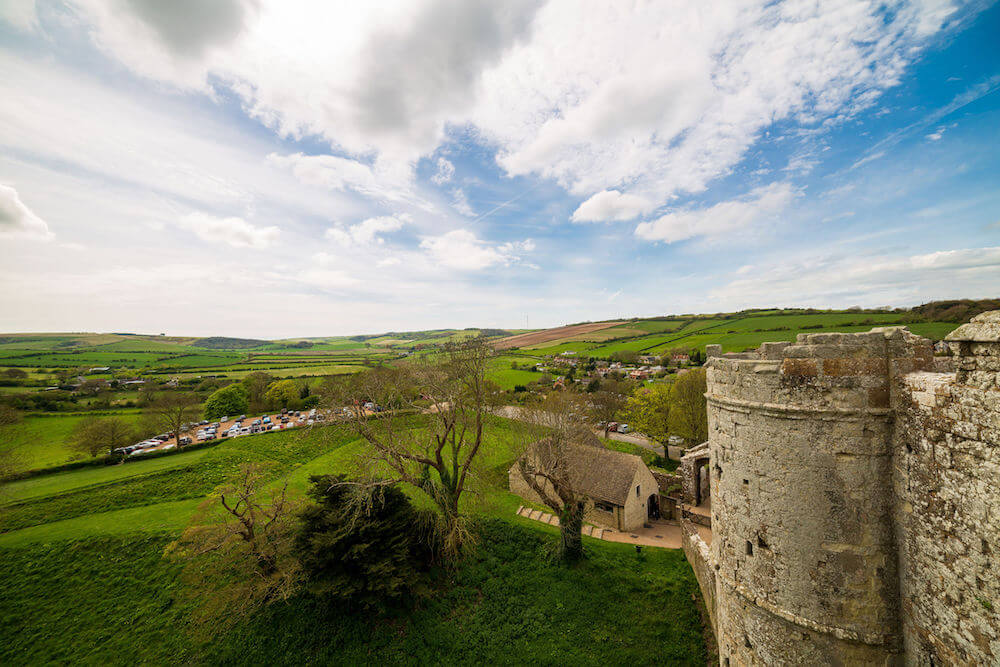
(115, 600)
(102, 588)
(40, 442)
(735, 335)
(47, 485)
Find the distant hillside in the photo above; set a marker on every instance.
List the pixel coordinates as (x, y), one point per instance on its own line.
(959, 310)
(224, 343)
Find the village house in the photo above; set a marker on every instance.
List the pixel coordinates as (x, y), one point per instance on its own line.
(622, 491)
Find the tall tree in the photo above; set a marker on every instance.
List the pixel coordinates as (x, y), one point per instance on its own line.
(688, 409)
(283, 394)
(648, 410)
(555, 464)
(171, 411)
(456, 398)
(363, 542)
(231, 400)
(101, 435)
(256, 384)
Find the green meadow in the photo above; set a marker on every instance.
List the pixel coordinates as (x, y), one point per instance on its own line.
(85, 579)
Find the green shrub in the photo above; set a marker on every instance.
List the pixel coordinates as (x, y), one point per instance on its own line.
(364, 545)
(231, 400)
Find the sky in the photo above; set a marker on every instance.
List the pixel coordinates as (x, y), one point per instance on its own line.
(281, 168)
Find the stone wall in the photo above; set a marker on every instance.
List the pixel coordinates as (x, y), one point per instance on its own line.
(636, 511)
(947, 480)
(855, 500)
(699, 555)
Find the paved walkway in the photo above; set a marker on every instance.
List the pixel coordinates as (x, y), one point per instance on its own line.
(666, 534)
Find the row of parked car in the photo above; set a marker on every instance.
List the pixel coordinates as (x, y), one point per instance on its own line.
(286, 419)
(146, 445)
(210, 430)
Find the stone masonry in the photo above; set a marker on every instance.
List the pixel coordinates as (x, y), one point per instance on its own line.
(855, 500)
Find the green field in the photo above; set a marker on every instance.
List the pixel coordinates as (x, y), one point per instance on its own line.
(40, 441)
(735, 333)
(85, 580)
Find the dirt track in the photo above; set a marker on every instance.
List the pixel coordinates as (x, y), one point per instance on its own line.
(536, 337)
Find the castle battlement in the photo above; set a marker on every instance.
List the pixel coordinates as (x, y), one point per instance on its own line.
(855, 499)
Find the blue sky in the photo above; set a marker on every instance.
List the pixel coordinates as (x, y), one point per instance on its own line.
(269, 169)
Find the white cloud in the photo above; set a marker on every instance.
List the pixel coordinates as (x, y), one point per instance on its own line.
(868, 158)
(720, 219)
(460, 249)
(22, 14)
(445, 170)
(17, 220)
(369, 77)
(236, 232)
(460, 202)
(936, 136)
(676, 109)
(865, 279)
(367, 231)
(338, 173)
(611, 205)
(682, 104)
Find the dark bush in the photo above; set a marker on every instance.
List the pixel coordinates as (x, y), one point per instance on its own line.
(364, 545)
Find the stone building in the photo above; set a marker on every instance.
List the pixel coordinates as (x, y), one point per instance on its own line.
(855, 500)
(622, 492)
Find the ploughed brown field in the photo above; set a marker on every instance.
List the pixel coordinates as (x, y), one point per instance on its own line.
(536, 337)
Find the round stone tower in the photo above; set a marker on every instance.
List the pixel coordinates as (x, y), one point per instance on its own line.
(802, 502)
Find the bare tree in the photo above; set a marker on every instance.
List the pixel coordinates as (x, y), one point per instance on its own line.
(556, 464)
(240, 558)
(96, 435)
(605, 403)
(436, 457)
(688, 409)
(171, 411)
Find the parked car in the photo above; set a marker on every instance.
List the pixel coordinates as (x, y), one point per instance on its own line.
(186, 440)
(623, 428)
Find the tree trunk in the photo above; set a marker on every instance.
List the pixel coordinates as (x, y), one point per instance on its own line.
(571, 533)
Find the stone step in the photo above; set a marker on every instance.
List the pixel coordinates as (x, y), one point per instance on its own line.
(553, 520)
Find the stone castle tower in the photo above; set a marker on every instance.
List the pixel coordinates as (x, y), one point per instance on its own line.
(855, 500)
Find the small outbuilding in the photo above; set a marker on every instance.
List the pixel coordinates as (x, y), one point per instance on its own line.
(622, 491)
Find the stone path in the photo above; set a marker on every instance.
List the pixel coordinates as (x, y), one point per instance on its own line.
(666, 534)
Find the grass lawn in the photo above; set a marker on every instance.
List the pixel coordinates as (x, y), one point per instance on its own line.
(84, 579)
